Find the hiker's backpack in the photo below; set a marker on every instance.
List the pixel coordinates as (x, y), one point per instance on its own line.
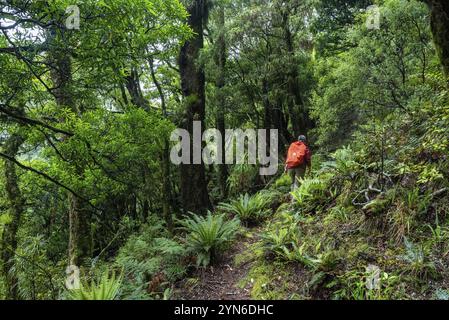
(297, 154)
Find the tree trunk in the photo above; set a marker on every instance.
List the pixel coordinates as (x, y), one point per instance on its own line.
(166, 187)
(194, 194)
(220, 61)
(135, 91)
(74, 254)
(79, 225)
(295, 102)
(440, 30)
(9, 236)
(165, 159)
(285, 137)
(267, 109)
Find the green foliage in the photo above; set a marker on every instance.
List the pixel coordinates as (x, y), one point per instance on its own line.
(147, 254)
(439, 236)
(407, 210)
(105, 288)
(363, 83)
(430, 174)
(242, 178)
(250, 210)
(437, 133)
(417, 261)
(353, 286)
(97, 114)
(332, 21)
(310, 192)
(283, 181)
(283, 240)
(5, 219)
(207, 236)
(345, 162)
(270, 195)
(85, 136)
(268, 281)
(39, 277)
(339, 212)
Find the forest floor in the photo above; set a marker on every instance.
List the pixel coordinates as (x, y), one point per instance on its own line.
(224, 280)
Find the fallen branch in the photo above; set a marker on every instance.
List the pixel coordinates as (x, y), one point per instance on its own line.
(439, 192)
(366, 193)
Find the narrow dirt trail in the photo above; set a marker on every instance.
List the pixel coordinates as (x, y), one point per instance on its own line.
(220, 282)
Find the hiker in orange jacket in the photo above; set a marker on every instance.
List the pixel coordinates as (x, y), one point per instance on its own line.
(299, 159)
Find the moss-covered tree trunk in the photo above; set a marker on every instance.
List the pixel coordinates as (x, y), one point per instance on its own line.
(132, 82)
(220, 61)
(267, 116)
(440, 30)
(9, 236)
(79, 217)
(285, 136)
(295, 102)
(194, 193)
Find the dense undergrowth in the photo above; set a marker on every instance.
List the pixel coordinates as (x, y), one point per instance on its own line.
(350, 224)
(346, 225)
(93, 186)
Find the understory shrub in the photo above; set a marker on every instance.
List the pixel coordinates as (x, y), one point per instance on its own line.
(105, 288)
(242, 178)
(150, 259)
(250, 210)
(312, 192)
(207, 236)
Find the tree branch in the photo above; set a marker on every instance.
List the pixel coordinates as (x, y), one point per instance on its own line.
(29, 121)
(46, 176)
